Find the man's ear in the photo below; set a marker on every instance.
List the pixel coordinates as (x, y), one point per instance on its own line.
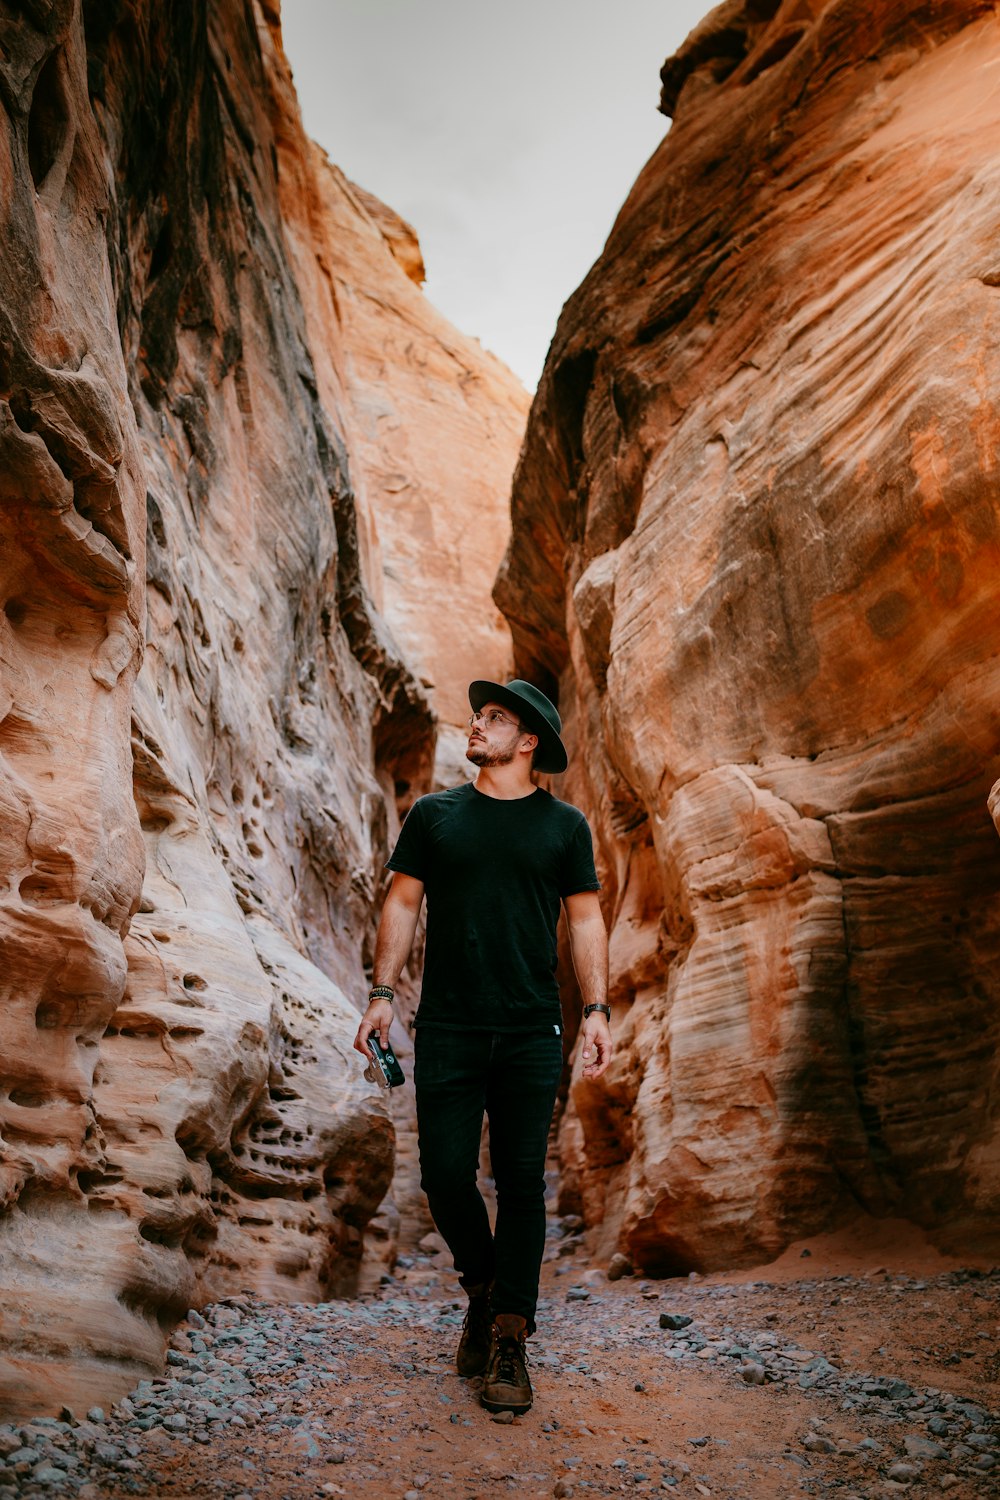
(528, 745)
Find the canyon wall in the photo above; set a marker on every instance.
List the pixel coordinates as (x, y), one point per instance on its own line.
(755, 546)
(193, 484)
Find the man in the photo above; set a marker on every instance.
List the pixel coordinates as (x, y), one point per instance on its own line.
(495, 858)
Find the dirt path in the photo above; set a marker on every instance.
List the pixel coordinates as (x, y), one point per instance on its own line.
(815, 1376)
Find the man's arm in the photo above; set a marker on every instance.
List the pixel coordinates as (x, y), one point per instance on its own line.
(396, 927)
(588, 941)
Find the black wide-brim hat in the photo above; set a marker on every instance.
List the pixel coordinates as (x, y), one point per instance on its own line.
(534, 711)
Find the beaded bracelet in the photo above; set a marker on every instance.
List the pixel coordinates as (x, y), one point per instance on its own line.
(381, 992)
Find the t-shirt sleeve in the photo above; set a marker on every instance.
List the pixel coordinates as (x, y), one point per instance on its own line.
(410, 854)
(578, 872)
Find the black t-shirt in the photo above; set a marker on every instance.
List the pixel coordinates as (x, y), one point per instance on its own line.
(494, 873)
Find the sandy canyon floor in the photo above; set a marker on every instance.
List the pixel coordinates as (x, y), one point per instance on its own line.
(853, 1366)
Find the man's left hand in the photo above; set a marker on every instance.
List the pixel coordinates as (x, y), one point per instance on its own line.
(597, 1046)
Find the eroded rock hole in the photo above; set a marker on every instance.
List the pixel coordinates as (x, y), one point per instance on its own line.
(154, 520)
(48, 121)
(162, 250)
(27, 1098)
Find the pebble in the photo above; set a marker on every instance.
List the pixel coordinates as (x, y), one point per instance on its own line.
(921, 1447)
(814, 1442)
(503, 1417)
(675, 1320)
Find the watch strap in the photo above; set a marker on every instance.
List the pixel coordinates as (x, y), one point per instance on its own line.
(605, 1010)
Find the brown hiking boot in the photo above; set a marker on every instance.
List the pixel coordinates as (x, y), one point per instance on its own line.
(506, 1386)
(474, 1345)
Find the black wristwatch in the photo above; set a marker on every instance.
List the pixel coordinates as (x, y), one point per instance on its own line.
(605, 1010)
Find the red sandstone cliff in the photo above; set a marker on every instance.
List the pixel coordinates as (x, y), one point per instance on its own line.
(755, 544)
(185, 919)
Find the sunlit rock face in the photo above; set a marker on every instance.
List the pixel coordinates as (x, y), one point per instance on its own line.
(438, 423)
(191, 858)
(755, 548)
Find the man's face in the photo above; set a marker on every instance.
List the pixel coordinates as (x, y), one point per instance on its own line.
(494, 736)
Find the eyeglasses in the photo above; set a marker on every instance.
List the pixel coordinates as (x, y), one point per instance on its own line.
(495, 716)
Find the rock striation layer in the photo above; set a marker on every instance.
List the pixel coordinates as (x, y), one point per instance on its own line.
(755, 541)
(192, 853)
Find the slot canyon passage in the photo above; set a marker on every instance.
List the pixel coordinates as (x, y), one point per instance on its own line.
(747, 536)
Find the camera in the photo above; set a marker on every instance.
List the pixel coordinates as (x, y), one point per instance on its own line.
(384, 1068)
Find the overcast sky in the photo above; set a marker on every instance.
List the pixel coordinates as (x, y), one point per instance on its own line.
(508, 132)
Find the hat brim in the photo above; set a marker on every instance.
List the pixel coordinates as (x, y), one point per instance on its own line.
(550, 757)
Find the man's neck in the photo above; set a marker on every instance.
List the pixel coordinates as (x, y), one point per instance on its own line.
(506, 783)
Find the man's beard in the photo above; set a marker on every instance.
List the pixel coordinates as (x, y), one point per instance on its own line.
(481, 756)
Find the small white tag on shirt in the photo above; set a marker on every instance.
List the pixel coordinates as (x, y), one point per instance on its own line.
(557, 1031)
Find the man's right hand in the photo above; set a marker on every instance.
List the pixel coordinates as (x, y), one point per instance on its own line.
(378, 1017)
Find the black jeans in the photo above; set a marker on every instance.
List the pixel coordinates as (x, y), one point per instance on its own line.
(513, 1078)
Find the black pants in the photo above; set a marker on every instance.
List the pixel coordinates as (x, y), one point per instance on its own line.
(513, 1078)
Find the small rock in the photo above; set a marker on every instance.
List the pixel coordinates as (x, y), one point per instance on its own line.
(48, 1474)
(921, 1447)
(503, 1417)
(948, 1481)
(578, 1294)
(984, 1462)
(753, 1374)
(411, 1495)
(562, 1490)
(303, 1442)
(593, 1277)
(903, 1471)
(96, 1414)
(675, 1320)
(815, 1442)
(619, 1266)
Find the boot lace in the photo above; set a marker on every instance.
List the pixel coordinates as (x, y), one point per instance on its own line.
(511, 1359)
